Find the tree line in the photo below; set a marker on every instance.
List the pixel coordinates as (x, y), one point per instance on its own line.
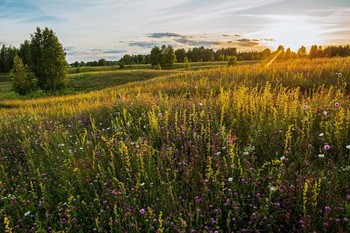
(163, 56)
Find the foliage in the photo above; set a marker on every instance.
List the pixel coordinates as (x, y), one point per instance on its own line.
(162, 57)
(248, 148)
(231, 61)
(25, 53)
(48, 60)
(168, 56)
(24, 81)
(187, 64)
(158, 67)
(7, 54)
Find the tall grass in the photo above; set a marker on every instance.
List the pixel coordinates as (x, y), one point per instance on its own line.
(230, 149)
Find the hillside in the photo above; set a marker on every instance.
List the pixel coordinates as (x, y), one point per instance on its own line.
(251, 147)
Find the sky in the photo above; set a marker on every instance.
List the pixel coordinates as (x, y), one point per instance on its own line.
(94, 29)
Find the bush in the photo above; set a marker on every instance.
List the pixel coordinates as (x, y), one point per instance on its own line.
(231, 61)
(24, 81)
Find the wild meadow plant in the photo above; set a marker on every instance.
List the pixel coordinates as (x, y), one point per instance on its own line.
(244, 148)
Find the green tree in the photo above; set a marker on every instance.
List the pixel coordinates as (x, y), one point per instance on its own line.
(23, 81)
(156, 56)
(180, 55)
(7, 54)
(48, 60)
(187, 64)
(231, 61)
(168, 56)
(24, 53)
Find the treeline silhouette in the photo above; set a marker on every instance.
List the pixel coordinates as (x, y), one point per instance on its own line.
(196, 54)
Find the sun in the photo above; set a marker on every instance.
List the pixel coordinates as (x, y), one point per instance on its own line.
(292, 32)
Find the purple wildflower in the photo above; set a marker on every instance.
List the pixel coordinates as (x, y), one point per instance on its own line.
(142, 211)
(327, 147)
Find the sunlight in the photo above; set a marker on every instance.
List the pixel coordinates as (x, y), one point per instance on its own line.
(292, 32)
(273, 59)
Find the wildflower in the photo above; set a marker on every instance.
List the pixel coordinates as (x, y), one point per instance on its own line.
(327, 147)
(348, 147)
(142, 211)
(325, 113)
(272, 188)
(321, 134)
(320, 155)
(63, 221)
(327, 208)
(230, 179)
(142, 184)
(232, 139)
(339, 75)
(305, 106)
(283, 158)
(218, 153)
(336, 104)
(27, 213)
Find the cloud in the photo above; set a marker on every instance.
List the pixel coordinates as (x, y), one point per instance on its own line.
(269, 39)
(195, 43)
(249, 44)
(143, 44)
(244, 40)
(108, 51)
(163, 34)
(115, 51)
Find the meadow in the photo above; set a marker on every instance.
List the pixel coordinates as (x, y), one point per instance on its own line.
(253, 147)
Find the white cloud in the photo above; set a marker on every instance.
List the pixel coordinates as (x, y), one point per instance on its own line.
(102, 24)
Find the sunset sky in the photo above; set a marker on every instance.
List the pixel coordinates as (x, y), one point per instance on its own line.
(94, 29)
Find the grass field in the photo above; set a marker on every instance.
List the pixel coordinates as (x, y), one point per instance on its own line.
(254, 147)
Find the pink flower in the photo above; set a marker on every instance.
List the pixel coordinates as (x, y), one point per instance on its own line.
(232, 139)
(142, 211)
(336, 104)
(327, 147)
(328, 209)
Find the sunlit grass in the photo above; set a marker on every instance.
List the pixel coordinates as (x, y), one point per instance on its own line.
(229, 149)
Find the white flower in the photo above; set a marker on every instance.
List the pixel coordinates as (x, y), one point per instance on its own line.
(26, 213)
(348, 147)
(245, 153)
(325, 113)
(339, 75)
(230, 179)
(320, 155)
(218, 153)
(272, 188)
(283, 158)
(321, 134)
(142, 184)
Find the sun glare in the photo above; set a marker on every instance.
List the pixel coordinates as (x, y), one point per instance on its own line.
(294, 32)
